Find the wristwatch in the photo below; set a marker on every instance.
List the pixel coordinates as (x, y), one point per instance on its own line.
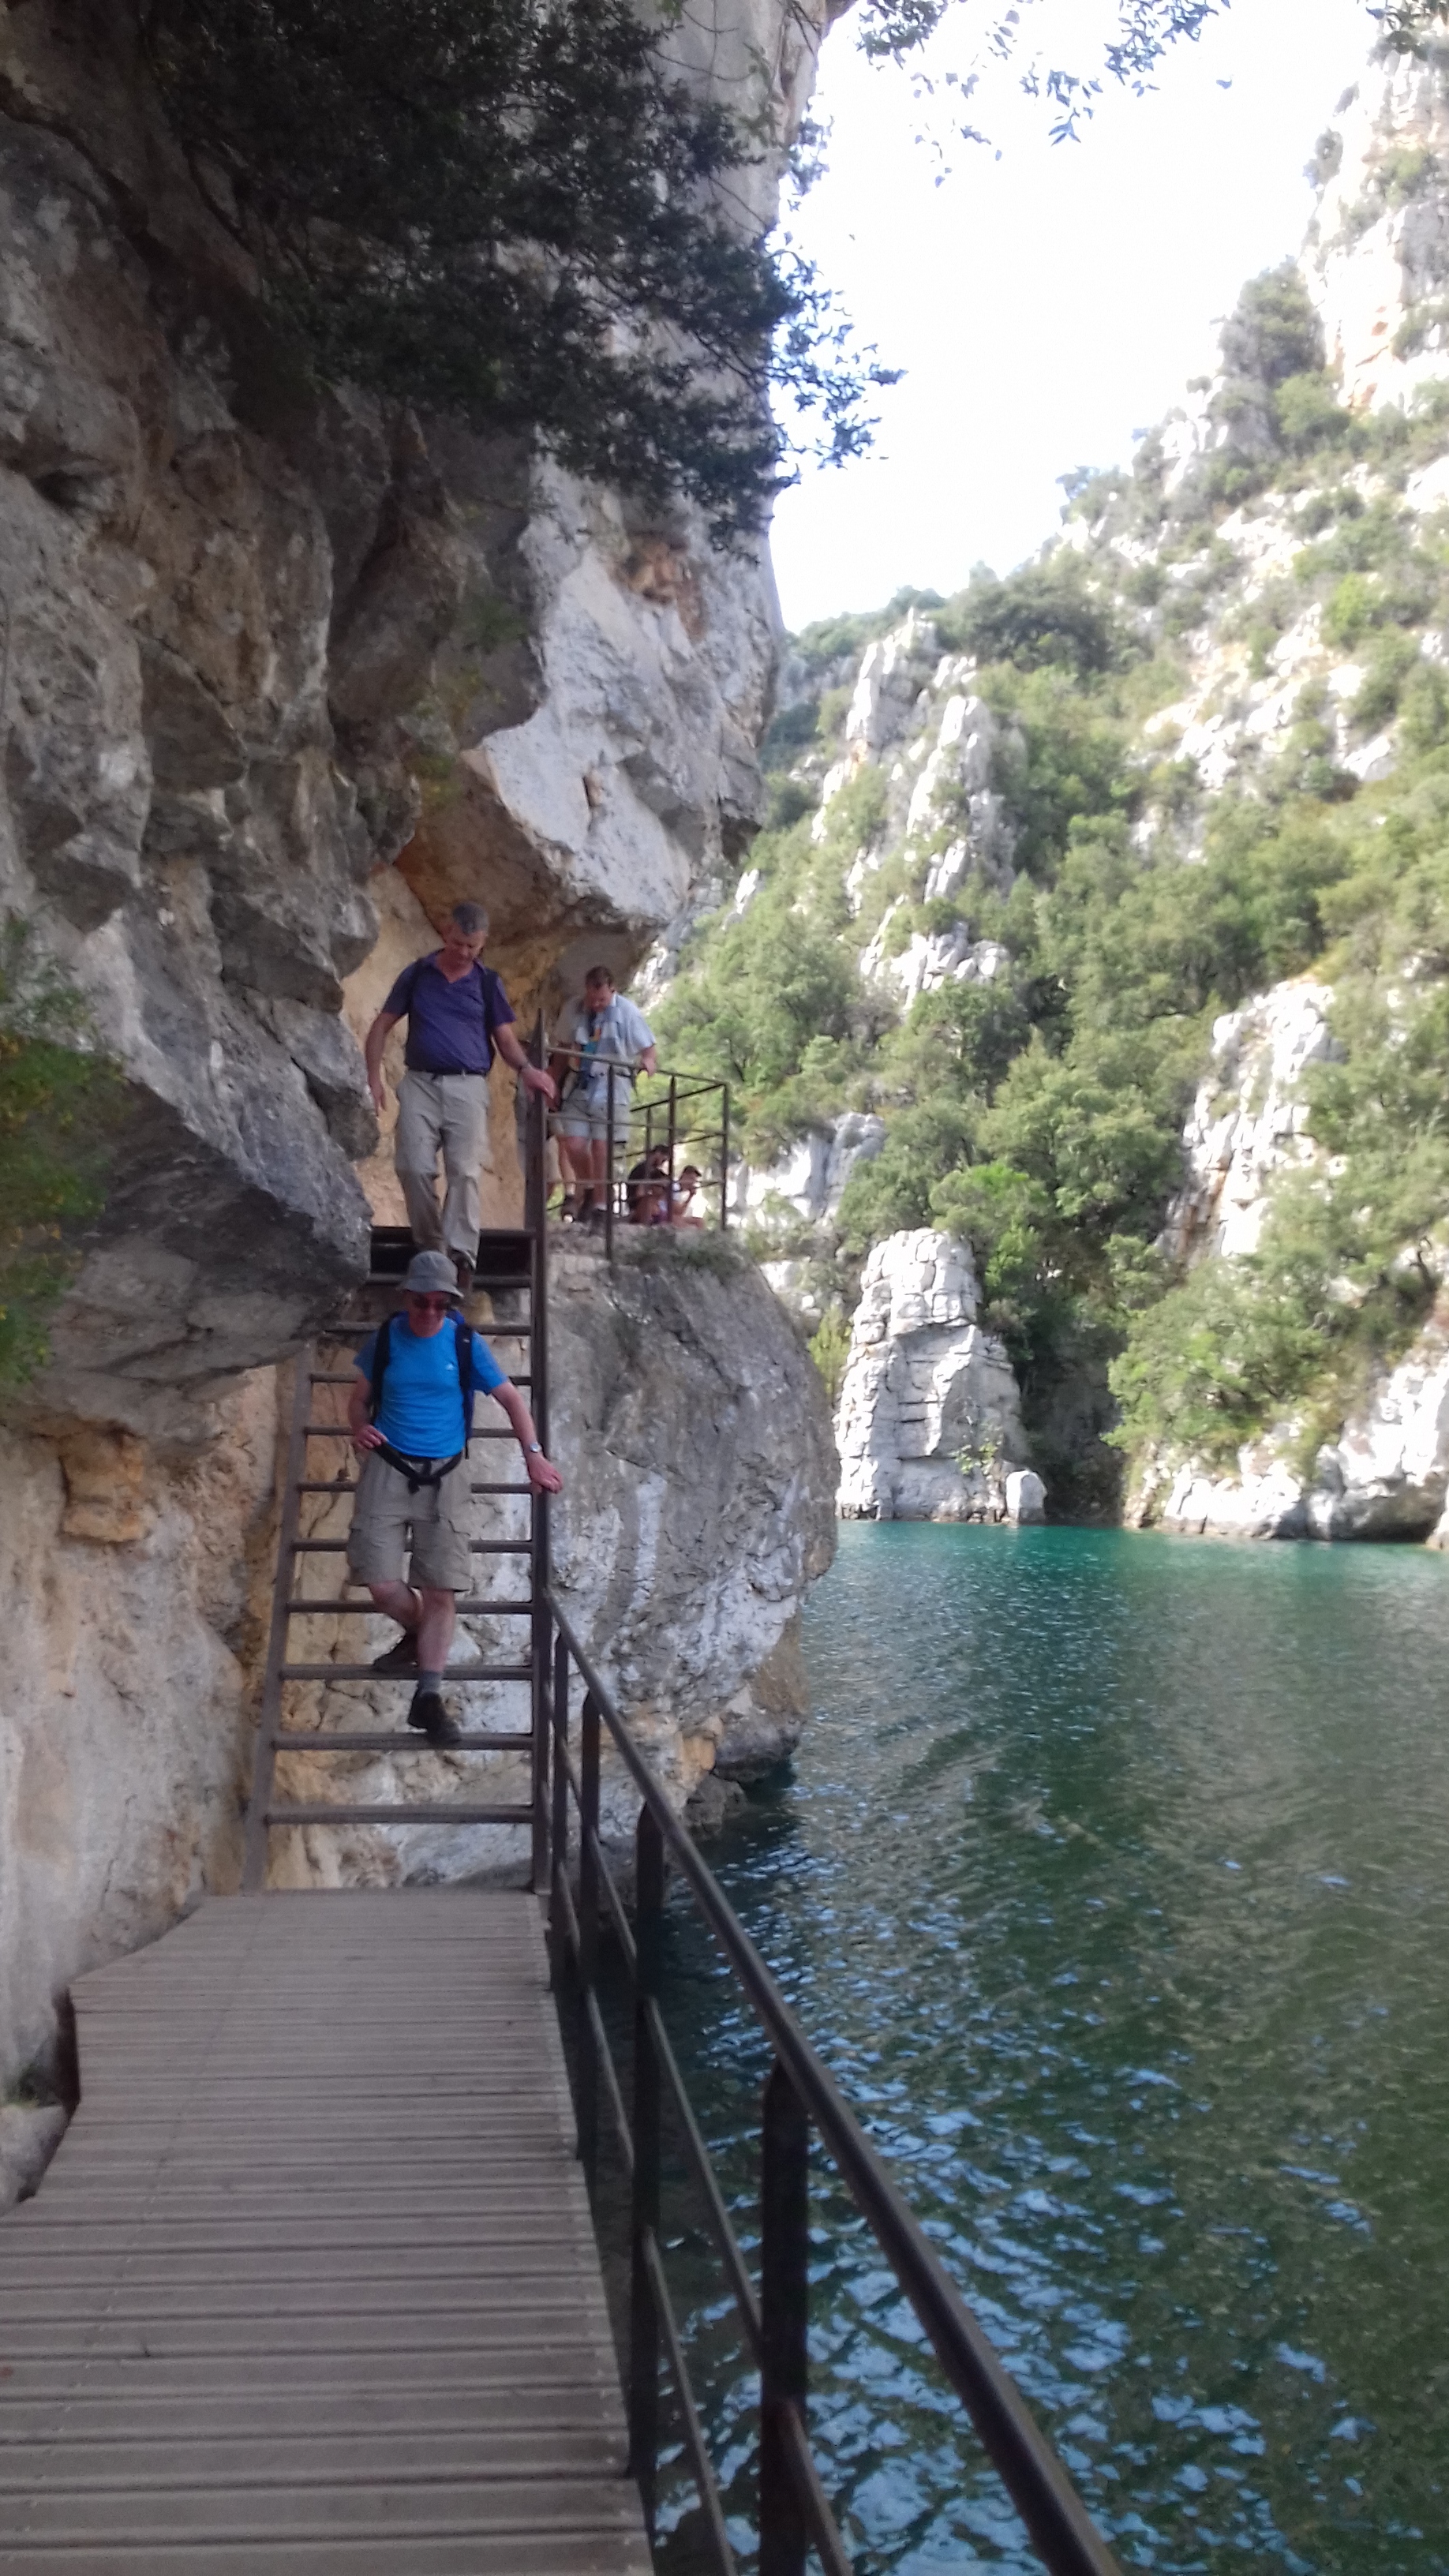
(534, 1449)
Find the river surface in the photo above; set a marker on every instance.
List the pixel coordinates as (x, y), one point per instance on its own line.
(1112, 1881)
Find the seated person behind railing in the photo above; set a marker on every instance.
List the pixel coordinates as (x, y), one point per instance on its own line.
(647, 1188)
(682, 1196)
(410, 1411)
(605, 1027)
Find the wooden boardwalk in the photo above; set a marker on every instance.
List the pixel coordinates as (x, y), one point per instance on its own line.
(311, 2284)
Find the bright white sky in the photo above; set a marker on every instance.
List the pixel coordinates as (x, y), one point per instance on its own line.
(1046, 304)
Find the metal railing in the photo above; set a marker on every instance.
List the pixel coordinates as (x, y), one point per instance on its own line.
(671, 1111)
(800, 2097)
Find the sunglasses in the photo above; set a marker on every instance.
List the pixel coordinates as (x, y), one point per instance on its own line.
(429, 1305)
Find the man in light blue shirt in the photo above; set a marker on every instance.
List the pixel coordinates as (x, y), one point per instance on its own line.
(410, 1412)
(607, 1028)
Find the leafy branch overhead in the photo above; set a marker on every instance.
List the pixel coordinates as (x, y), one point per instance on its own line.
(516, 210)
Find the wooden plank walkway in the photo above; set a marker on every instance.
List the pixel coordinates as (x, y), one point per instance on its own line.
(311, 2284)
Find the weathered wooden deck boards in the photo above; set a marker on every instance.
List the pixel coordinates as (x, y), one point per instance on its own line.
(311, 2284)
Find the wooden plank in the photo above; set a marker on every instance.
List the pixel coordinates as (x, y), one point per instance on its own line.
(311, 2284)
(508, 2554)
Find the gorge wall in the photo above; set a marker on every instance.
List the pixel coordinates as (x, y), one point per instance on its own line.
(1100, 923)
(283, 674)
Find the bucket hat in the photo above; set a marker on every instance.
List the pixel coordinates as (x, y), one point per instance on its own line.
(432, 1274)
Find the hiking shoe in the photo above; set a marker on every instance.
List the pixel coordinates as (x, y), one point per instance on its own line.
(430, 1716)
(464, 1269)
(401, 1656)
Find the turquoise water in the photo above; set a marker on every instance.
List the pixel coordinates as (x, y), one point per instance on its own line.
(1113, 1882)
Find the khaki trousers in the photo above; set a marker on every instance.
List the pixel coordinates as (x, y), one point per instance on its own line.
(447, 1112)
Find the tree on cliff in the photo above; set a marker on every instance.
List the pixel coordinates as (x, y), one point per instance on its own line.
(517, 210)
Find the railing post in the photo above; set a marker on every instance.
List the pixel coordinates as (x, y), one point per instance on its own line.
(609, 1162)
(588, 1936)
(673, 1139)
(559, 1832)
(784, 2316)
(724, 1158)
(541, 1624)
(644, 2345)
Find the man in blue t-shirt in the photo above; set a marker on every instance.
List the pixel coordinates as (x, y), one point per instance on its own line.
(459, 1018)
(414, 1481)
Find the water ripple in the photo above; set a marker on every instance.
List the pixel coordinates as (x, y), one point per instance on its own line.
(1111, 1883)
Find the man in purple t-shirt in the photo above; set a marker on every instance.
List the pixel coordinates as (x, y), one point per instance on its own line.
(458, 1018)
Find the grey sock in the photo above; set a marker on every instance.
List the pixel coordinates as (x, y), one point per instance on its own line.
(429, 1684)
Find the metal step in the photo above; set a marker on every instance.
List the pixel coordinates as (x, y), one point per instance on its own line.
(477, 1546)
(466, 1607)
(365, 1673)
(402, 1814)
(413, 1742)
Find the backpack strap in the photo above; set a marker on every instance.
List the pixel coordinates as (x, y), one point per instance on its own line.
(463, 1341)
(380, 1349)
(463, 1332)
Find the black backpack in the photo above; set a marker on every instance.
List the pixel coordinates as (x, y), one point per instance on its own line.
(463, 1332)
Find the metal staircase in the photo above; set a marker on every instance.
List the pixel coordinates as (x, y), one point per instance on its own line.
(511, 1274)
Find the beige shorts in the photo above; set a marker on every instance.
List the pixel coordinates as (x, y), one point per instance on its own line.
(585, 1116)
(436, 1518)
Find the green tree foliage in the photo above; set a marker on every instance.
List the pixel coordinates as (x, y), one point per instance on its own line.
(1046, 616)
(1273, 335)
(830, 1349)
(768, 985)
(513, 209)
(59, 1102)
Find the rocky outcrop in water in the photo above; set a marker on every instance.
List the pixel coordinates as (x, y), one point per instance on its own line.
(929, 1421)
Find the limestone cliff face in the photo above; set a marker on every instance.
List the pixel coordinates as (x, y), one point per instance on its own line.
(1376, 260)
(137, 1587)
(1249, 1121)
(281, 676)
(1386, 1475)
(260, 648)
(930, 1416)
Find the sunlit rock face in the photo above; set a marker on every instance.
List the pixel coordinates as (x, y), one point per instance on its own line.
(929, 1421)
(1377, 257)
(1249, 1120)
(809, 1179)
(1386, 1476)
(1387, 1473)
